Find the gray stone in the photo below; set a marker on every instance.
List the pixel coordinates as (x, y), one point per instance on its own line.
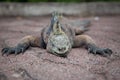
(40, 9)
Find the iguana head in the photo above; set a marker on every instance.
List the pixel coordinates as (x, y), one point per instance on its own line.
(58, 41)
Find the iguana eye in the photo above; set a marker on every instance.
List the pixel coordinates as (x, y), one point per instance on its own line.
(53, 45)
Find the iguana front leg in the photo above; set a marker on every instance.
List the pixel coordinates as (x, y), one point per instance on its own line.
(23, 45)
(89, 44)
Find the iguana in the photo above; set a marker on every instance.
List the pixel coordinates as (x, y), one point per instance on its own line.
(58, 38)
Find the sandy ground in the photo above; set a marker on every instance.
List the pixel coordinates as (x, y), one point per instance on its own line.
(37, 64)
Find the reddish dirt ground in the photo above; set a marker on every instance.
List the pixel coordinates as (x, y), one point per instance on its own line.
(37, 64)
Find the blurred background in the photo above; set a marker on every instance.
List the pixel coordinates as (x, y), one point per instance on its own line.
(67, 7)
(58, 0)
(19, 18)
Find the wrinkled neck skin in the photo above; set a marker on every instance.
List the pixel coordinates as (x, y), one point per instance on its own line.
(58, 42)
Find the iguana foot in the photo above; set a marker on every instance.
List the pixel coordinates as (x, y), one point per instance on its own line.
(101, 51)
(14, 50)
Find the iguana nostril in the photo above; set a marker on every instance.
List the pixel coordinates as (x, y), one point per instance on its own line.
(62, 49)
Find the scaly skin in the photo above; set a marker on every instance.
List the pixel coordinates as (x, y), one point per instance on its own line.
(58, 43)
(58, 38)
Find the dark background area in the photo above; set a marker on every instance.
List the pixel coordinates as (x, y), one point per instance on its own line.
(59, 0)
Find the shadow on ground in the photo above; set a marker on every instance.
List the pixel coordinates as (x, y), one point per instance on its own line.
(37, 64)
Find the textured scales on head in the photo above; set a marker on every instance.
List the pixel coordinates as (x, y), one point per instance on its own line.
(58, 42)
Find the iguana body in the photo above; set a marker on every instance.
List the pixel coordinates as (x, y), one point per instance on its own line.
(58, 38)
